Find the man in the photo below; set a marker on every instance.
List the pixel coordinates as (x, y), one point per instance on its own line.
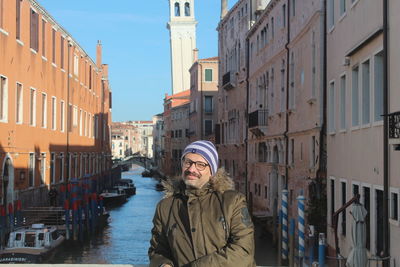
(202, 221)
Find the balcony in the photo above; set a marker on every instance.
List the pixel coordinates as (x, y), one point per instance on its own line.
(258, 122)
(228, 81)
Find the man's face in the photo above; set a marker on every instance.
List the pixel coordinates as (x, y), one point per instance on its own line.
(192, 176)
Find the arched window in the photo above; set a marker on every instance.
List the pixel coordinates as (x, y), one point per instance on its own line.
(177, 10)
(187, 9)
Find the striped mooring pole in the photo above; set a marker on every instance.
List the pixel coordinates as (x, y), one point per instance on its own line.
(285, 239)
(300, 225)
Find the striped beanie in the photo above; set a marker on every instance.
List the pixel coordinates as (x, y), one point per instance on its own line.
(207, 150)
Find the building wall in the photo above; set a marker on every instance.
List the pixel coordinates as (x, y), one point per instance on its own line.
(200, 90)
(355, 154)
(232, 31)
(71, 77)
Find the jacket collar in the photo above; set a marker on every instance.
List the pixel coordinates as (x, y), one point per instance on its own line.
(220, 182)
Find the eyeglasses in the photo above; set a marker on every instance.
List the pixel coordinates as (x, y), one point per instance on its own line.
(187, 163)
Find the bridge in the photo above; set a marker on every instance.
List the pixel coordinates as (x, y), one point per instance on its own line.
(142, 161)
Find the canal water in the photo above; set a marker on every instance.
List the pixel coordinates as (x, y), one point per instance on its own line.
(126, 239)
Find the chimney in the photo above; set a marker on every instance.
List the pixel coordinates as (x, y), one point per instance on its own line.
(98, 54)
(224, 8)
(195, 55)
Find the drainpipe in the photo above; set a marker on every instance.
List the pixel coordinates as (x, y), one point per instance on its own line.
(323, 108)
(69, 46)
(386, 237)
(246, 140)
(285, 134)
(201, 101)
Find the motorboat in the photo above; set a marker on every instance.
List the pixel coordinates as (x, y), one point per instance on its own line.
(31, 244)
(113, 196)
(127, 185)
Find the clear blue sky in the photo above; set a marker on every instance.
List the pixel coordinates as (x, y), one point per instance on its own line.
(135, 45)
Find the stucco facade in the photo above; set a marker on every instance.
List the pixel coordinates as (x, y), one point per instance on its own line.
(232, 91)
(203, 99)
(55, 105)
(355, 124)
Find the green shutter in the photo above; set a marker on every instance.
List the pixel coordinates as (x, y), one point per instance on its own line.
(208, 75)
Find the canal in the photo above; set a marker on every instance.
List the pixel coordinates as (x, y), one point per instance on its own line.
(126, 239)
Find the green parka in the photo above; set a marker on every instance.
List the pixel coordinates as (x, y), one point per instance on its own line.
(202, 227)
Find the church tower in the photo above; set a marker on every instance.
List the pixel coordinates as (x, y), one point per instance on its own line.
(182, 31)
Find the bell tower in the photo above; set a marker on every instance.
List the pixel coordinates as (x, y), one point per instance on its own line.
(182, 32)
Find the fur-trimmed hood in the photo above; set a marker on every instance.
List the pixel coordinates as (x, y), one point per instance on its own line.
(220, 182)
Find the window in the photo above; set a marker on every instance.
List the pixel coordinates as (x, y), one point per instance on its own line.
(208, 104)
(62, 112)
(291, 151)
(331, 107)
(43, 38)
(272, 27)
(344, 212)
(343, 102)
(283, 81)
(42, 168)
(76, 65)
(365, 93)
(272, 92)
(3, 99)
(44, 111)
(75, 116)
(52, 168)
(312, 159)
(61, 166)
(291, 92)
(177, 10)
(355, 98)
(342, 7)
(32, 111)
(18, 17)
(293, 8)
(367, 205)
(394, 207)
(1, 13)
(207, 127)
(19, 104)
(34, 31)
(62, 52)
(80, 122)
(331, 13)
(332, 197)
(208, 75)
(53, 113)
(187, 9)
(378, 86)
(313, 66)
(53, 41)
(284, 15)
(265, 192)
(31, 172)
(356, 189)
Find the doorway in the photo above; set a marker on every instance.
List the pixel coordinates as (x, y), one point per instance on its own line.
(7, 184)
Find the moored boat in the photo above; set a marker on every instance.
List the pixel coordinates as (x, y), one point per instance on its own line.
(32, 244)
(113, 196)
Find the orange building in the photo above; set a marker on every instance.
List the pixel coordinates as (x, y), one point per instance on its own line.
(55, 105)
(176, 128)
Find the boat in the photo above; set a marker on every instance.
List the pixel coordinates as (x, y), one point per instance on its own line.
(127, 185)
(113, 196)
(31, 244)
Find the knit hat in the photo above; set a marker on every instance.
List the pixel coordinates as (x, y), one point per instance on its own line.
(207, 150)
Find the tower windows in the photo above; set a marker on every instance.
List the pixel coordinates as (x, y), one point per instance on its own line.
(187, 9)
(177, 10)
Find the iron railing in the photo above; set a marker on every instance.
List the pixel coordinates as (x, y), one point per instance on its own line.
(258, 118)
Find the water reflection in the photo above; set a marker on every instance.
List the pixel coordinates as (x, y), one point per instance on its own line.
(126, 239)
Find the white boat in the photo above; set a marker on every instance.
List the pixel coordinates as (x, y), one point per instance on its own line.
(32, 244)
